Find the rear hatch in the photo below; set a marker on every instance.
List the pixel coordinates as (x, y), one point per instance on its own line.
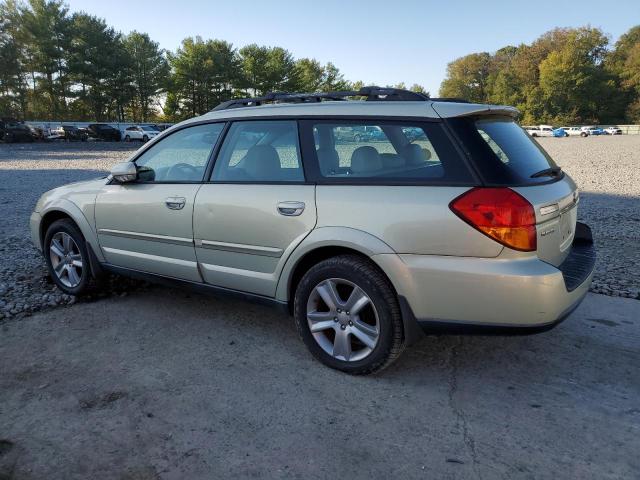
(503, 155)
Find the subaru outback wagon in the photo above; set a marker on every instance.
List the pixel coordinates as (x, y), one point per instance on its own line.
(450, 216)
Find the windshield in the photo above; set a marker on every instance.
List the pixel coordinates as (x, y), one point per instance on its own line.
(149, 128)
(503, 152)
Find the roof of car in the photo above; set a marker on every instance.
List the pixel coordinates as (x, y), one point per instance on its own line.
(424, 109)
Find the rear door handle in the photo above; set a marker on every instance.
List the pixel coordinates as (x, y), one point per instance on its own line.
(291, 209)
(175, 203)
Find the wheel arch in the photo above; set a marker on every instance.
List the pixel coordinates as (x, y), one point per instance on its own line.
(327, 242)
(66, 209)
(322, 243)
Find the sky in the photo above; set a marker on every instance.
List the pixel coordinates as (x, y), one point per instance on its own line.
(378, 42)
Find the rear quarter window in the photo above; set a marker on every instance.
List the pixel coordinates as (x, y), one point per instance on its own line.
(503, 153)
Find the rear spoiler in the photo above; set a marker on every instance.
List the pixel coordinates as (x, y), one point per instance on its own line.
(451, 109)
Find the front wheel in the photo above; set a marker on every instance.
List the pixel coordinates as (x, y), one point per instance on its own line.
(127, 138)
(348, 315)
(66, 257)
(145, 139)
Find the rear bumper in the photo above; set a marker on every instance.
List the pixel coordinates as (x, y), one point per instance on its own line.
(524, 294)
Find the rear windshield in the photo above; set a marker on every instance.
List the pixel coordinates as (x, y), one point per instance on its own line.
(502, 151)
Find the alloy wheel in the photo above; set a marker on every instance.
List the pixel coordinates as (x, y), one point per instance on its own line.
(343, 319)
(66, 259)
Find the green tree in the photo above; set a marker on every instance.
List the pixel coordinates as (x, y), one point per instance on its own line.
(92, 59)
(310, 75)
(333, 80)
(203, 75)
(13, 86)
(467, 77)
(624, 65)
(46, 29)
(418, 89)
(268, 69)
(572, 80)
(149, 69)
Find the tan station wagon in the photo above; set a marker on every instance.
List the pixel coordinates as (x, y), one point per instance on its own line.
(370, 219)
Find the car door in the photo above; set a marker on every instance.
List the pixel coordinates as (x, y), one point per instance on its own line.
(146, 225)
(255, 210)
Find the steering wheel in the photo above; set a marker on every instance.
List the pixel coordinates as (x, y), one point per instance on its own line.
(182, 168)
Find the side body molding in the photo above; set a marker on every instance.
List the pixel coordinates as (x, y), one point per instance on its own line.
(346, 237)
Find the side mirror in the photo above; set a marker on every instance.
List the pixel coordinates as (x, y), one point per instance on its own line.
(124, 172)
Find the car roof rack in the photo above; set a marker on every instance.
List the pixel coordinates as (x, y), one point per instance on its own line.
(371, 94)
(450, 99)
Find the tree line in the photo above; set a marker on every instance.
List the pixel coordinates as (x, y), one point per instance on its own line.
(73, 66)
(62, 66)
(566, 76)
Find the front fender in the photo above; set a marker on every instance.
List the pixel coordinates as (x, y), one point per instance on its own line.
(68, 207)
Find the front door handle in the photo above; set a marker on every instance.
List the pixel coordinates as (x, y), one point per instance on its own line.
(290, 209)
(175, 203)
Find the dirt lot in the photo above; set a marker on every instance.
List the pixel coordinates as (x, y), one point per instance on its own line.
(167, 384)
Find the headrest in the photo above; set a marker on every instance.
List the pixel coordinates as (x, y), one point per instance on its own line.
(262, 162)
(415, 154)
(365, 159)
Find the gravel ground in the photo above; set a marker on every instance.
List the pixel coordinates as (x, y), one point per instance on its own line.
(607, 169)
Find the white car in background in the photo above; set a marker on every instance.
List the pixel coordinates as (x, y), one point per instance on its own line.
(576, 131)
(613, 131)
(143, 133)
(540, 131)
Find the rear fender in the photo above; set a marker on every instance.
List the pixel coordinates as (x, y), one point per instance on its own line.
(345, 237)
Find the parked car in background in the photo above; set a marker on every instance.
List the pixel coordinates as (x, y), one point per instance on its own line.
(37, 132)
(143, 133)
(362, 242)
(56, 133)
(540, 131)
(74, 134)
(593, 131)
(560, 132)
(102, 131)
(13, 131)
(575, 131)
(613, 131)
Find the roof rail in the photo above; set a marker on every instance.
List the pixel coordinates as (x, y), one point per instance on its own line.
(451, 99)
(370, 94)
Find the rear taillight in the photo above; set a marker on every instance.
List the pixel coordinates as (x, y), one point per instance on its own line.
(499, 213)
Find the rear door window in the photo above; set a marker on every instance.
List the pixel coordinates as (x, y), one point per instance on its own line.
(502, 151)
(260, 151)
(385, 152)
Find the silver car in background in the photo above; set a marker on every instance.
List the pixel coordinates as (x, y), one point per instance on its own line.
(369, 221)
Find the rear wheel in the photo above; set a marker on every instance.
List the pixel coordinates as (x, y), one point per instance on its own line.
(145, 139)
(65, 253)
(348, 315)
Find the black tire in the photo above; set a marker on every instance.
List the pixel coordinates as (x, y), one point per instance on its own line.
(127, 138)
(87, 283)
(365, 275)
(145, 139)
